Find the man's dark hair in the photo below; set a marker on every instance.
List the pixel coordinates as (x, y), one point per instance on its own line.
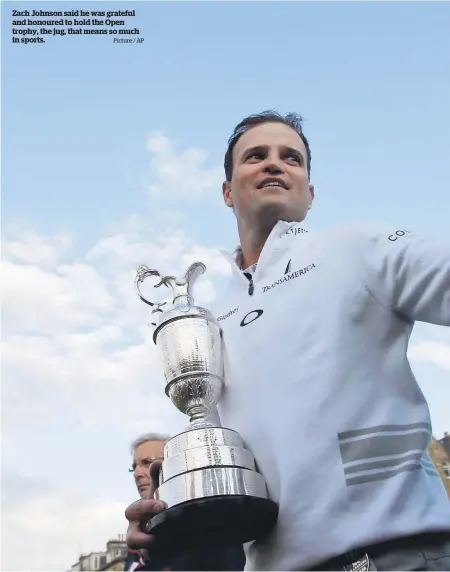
(293, 120)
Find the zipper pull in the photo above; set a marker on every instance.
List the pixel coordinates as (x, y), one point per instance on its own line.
(251, 286)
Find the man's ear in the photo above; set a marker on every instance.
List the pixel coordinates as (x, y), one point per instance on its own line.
(226, 191)
(311, 195)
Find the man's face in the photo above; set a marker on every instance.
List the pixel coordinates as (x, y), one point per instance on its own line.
(143, 457)
(265, 155)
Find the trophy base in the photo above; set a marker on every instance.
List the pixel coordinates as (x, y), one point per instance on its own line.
(214, 522)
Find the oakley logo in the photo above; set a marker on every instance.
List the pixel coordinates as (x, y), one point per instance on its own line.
(251, 317)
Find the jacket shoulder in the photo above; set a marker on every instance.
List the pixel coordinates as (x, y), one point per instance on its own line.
(357, 236)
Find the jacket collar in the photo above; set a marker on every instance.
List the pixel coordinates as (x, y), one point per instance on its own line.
(280, 229)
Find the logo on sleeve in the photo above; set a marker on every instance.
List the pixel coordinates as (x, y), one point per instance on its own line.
(397, 234)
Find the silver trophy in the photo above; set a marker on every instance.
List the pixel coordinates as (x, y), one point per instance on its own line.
(208, 480)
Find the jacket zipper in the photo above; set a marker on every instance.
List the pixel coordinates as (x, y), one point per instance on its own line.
(251, 286)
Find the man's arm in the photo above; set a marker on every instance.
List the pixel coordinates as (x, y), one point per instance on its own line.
(409, 275)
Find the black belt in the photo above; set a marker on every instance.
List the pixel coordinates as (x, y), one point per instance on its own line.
(360, 558)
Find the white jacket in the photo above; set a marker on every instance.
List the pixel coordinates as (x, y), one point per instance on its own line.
(319, 387)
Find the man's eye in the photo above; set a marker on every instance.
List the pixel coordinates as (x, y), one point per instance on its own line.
(294, 158)
(255, 156)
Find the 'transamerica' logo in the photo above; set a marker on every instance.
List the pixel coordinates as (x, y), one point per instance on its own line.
(288, 275)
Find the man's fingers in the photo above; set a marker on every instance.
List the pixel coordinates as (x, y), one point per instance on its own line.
(136, 538)
(154, 471)
(139, 512)
(143, 507)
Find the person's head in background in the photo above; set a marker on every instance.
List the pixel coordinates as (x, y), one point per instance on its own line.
(145, 450)
(267, 169)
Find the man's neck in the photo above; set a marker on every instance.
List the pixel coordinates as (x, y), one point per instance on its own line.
(252, 243)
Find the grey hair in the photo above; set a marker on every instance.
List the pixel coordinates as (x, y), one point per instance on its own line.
(146, 438)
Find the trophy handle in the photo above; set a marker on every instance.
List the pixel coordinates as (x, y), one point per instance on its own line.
(144, 272)
(194, 271)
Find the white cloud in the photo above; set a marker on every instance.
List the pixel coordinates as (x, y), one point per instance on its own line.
(433, 352)
(180, 173)
(77, 332)
(28, 247)
(45, 528)
(36, 299)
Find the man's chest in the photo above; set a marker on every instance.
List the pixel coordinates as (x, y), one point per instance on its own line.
(300, 296)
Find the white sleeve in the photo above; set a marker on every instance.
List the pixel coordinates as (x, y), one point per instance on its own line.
(410, 275)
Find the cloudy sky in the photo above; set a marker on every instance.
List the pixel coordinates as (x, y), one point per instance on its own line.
(112, 157)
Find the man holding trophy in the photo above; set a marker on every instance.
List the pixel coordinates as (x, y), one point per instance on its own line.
(320, 460)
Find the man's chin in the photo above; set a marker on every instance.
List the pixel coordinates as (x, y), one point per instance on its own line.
(271, 211)
(144, 490)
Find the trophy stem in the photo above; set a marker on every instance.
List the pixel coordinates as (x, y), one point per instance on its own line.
(198, 414)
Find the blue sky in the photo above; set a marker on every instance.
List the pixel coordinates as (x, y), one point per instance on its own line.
(90, 128)
(371, 80)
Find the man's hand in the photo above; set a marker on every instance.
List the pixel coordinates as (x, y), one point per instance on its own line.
(141, 511)
(136, 514)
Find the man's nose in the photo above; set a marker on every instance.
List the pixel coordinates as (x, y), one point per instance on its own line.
(139, 472)
(273, 166)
